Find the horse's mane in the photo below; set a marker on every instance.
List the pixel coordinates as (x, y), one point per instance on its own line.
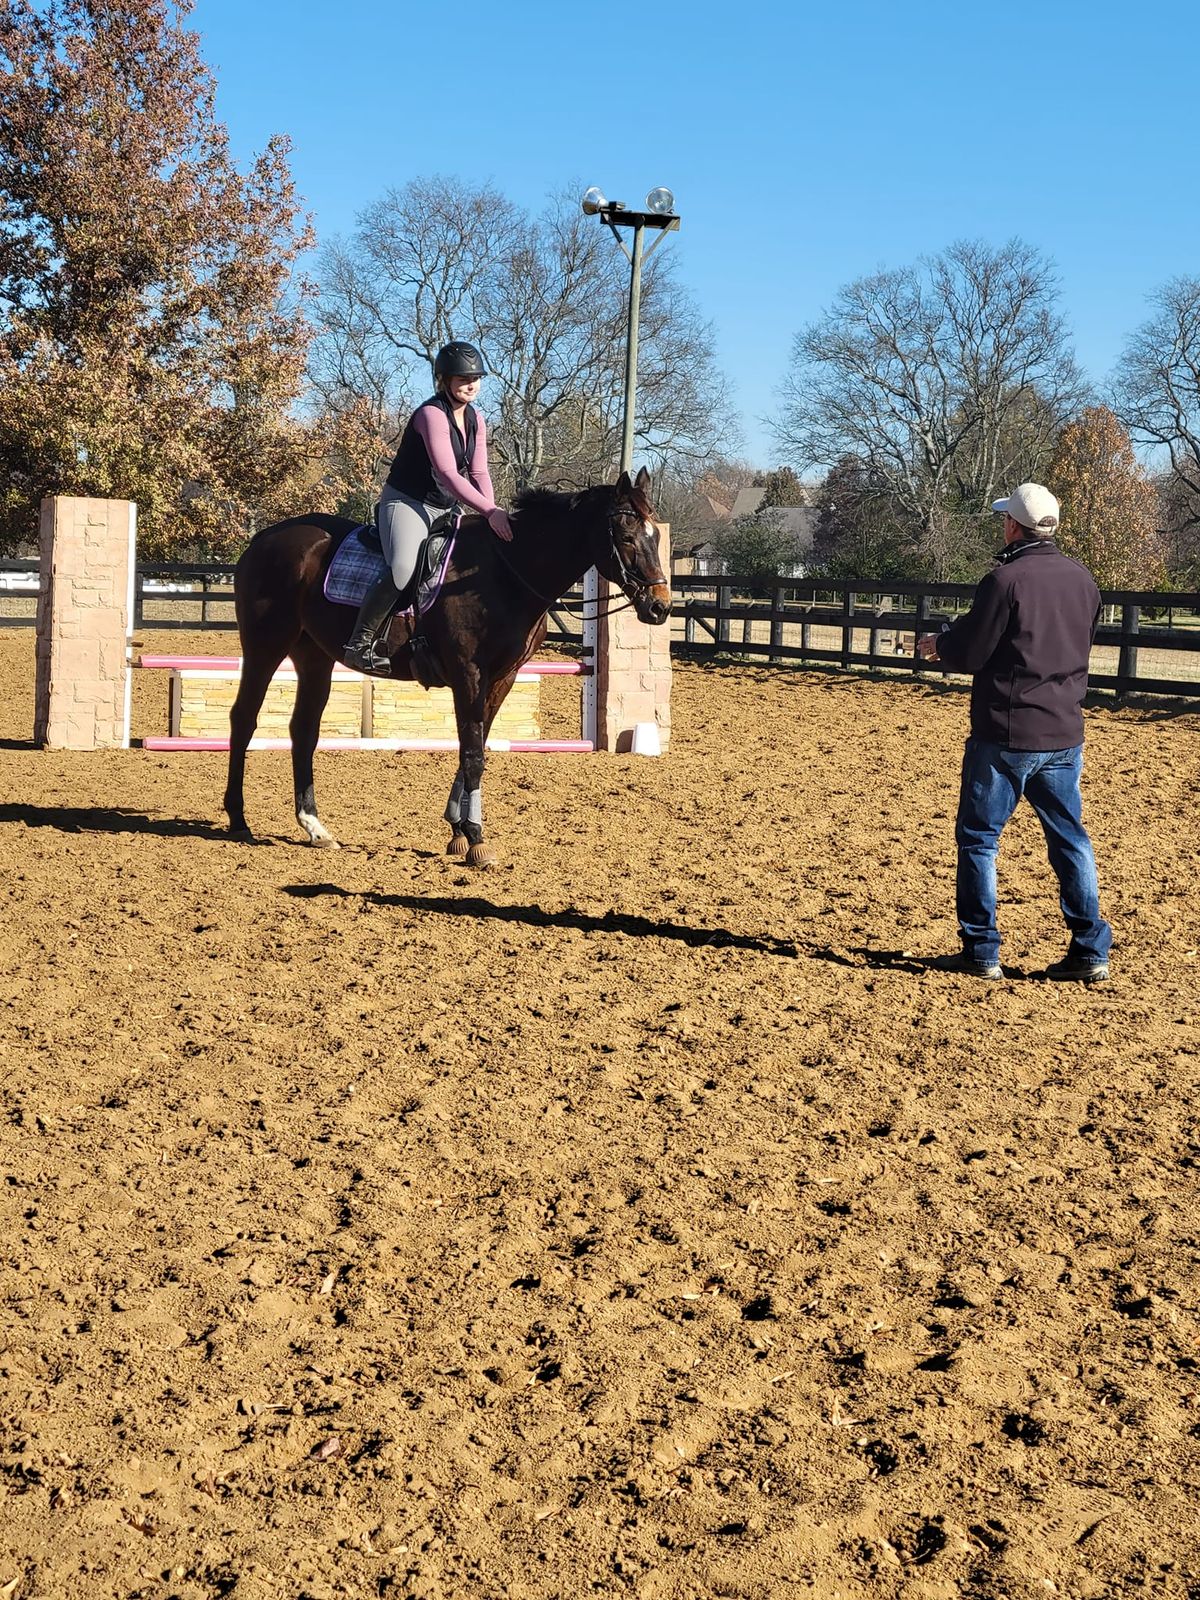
(542, 504)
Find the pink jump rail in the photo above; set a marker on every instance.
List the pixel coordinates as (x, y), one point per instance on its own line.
(545, 669)
(552, 747)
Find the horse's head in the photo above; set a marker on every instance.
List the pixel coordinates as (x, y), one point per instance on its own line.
(627, 549)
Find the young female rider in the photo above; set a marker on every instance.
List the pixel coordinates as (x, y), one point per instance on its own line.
(441, 462)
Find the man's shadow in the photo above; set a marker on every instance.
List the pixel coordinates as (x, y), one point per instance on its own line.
(476, 908)
(110, 819)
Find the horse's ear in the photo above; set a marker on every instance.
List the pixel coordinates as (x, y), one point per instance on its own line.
(642, 482)
(623, 484)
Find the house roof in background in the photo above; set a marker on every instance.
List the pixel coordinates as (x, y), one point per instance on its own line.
(747, 501)
(719, 511)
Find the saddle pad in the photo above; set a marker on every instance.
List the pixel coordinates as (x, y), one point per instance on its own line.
(359, 563)
(354, 568)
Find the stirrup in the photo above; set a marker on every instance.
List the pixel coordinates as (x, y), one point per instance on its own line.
(368, 658)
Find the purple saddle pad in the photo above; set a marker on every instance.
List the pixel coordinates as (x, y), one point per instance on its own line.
(359, 563)
(355, 567)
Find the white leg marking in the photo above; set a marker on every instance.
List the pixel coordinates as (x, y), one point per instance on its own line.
(316, 830)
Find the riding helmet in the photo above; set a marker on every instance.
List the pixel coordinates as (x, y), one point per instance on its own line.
(459, 360)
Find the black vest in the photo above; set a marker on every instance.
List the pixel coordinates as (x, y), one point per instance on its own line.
(411, 473)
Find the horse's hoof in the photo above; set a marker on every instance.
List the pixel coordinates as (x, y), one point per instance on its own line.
(241, 835)
(458, 846)
(318, 834)
(480, 856)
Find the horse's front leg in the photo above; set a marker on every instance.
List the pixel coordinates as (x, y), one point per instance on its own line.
(459, 843)
(471, 819)
(470, 706)
(464, 809)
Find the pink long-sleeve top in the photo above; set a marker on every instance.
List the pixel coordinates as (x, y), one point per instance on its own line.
(432, 426)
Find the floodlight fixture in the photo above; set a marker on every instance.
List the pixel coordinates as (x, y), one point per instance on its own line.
(661, 202)
(593, 201)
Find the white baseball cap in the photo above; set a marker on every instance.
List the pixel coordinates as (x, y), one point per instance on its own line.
(1033, 507)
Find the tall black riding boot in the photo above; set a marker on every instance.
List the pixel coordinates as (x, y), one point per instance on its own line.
(362, 652)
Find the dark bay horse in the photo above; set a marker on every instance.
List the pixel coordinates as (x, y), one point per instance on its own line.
(488, 621)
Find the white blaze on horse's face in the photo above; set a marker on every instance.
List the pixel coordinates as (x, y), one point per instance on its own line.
(653, 532)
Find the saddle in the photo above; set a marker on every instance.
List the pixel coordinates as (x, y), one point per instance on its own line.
(359, 563)
(423, 587)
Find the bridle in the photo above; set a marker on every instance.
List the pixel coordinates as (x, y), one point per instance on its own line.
(632, 585)
(627, 579)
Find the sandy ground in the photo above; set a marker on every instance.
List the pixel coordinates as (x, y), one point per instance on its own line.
(638, 1218)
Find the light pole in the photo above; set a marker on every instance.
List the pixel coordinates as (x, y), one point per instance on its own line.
(658, 215)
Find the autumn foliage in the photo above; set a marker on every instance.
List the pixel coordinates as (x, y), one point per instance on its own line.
(1109, 507)
(148, 350)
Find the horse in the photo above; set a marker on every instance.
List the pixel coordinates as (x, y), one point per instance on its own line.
(488, 620)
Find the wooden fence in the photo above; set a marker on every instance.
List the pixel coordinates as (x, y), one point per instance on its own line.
(1148, 642)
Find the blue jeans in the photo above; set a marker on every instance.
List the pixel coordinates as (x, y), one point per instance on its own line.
(993, 780)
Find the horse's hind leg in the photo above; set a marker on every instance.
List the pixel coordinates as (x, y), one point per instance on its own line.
(257, 672)
(314, 672)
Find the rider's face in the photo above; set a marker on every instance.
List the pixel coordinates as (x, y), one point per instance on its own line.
(462, 390)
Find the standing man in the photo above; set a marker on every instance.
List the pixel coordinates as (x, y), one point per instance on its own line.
(1026, 641)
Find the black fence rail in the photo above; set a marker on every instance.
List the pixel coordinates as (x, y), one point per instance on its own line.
(166, 594)
(1147, 642)
(18, 594)
(176, 594)
(197, 596)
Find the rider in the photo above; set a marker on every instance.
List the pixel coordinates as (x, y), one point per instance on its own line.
(441, 464)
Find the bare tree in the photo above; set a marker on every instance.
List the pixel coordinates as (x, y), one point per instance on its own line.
(546, 301)
(1157, 392)
(947, 381)
(858, 533)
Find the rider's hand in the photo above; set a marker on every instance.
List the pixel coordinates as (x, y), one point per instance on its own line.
(927, 647)
(499, 523)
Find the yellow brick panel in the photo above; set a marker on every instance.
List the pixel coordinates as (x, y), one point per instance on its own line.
(201, 703)
(405, 711)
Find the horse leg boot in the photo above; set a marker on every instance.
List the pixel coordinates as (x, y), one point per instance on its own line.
(362, 651)
(459, 844)
(471, 822)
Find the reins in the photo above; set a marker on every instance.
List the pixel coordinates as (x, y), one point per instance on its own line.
(552, 600)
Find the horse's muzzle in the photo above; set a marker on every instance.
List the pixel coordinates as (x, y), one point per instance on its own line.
(654, 605)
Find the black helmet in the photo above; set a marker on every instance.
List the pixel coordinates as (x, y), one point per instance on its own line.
(459, 360)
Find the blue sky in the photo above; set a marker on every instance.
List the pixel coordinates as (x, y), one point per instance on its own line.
(805, 146)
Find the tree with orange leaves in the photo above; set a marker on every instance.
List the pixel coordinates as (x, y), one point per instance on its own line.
(148, 349)
(1109, 507)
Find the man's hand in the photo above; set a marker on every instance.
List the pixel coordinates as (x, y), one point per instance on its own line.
(927, 647)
